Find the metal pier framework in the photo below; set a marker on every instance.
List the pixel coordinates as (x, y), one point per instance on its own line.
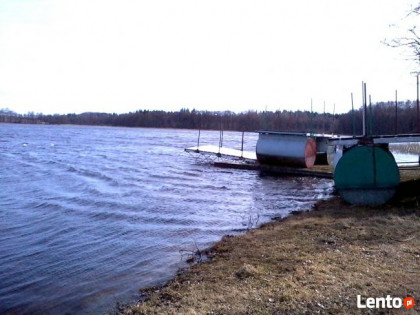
(365, 171)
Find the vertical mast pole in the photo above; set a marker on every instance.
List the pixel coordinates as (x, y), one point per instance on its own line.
(352, 113)
(396, 113)
(364, 109)
(418, 114)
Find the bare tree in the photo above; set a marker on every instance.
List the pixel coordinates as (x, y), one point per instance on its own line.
(412, 40)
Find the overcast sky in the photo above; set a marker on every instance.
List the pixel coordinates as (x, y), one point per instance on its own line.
(76, 56)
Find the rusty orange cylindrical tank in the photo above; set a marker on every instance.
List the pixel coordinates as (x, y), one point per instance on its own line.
(286, 149)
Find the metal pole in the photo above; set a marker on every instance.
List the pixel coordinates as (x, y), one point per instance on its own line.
(418, 115)
(417, 123)
(221, 131)
(220, 136)
(364, 109)
(311, 127)
(198, 140)
(323, 127)
(242, 145)
(370, 116)
(352, 112)
(396, 112)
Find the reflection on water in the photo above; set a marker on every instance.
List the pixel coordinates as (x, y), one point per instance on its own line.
(410, 148)
(90, 214)
(406, 154)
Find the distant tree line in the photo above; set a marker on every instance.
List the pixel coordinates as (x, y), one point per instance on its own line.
(384, 120)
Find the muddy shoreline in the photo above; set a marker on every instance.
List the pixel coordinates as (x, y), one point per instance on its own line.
(316, 261)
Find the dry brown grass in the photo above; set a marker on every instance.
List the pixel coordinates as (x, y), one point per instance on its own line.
(409, 174)
(313, 262)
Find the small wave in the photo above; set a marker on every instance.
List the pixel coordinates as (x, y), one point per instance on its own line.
(98, 175)
(98, 207)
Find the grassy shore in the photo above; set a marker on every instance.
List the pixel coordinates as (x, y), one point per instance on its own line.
(313, 262)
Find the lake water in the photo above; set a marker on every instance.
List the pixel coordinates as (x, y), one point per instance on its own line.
(88, 215)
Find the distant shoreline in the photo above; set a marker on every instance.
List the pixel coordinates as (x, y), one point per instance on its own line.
(350, 123)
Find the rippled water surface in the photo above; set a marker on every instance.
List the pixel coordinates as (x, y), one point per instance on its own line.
(88, 215)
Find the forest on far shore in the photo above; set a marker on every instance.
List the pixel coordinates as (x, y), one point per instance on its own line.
(385, 119)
